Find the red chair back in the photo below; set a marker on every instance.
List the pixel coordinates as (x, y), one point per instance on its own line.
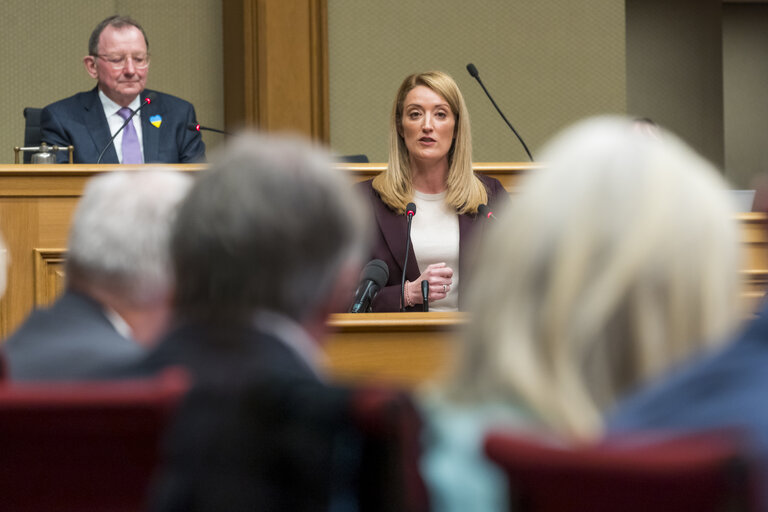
(86, 446)
(701, 472)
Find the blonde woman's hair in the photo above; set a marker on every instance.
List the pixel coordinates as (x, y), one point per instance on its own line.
(465, 192)
(617, 260)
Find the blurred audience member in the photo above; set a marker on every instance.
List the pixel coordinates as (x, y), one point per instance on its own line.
(267, 244)
(616, 260)
(720, 390)
(646, 126)
(117, 297)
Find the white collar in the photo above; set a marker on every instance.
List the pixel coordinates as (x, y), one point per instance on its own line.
(119, 323)
(111, 108)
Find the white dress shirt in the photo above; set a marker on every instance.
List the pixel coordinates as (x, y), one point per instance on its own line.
(115, 122)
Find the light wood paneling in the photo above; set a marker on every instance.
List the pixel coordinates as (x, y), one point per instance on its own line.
(404, 348)
(276, 66)
(49, 279)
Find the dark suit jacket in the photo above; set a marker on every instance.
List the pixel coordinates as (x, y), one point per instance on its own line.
(719, 390)
(390, 240)
(67, 341)
(258, 431)
(80, 121)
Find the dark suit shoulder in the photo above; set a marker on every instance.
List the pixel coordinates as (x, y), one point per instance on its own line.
(365, 187)
(366, 190)
(491, 184)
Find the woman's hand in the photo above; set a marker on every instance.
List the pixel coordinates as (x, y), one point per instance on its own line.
(439, 276)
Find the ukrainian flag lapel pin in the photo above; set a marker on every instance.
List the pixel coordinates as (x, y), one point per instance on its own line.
(156, 120)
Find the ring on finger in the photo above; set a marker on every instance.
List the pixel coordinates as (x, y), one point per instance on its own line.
(445, 288)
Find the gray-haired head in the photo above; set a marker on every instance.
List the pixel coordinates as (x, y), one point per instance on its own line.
(120, 235)
(268, 227)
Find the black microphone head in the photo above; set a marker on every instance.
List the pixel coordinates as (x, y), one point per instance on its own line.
(472, 70)
(150, 97)
(195, 127)
(410, 209)
(376, 271)
(483, 210)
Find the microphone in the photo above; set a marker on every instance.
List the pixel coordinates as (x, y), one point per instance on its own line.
(473, 71)
(485, 212)
(425, 294)
(195, 127)
(147, 101)
(372, 279)
(410, 211)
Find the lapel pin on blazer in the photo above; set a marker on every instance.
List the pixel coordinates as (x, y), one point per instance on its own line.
(156, 120)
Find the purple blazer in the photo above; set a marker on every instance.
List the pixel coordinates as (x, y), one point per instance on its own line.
(389, 241)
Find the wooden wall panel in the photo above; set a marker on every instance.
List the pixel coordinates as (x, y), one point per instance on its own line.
(276, 66)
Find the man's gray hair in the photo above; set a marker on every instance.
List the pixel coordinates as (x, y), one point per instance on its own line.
(267, 227)
(120, 235)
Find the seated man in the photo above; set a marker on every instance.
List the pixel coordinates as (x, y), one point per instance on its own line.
(267, 244)
(118, 58)
(720, 390)
(117, 296)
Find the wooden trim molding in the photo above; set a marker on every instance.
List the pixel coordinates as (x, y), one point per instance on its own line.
(276, 66)
(50, 278)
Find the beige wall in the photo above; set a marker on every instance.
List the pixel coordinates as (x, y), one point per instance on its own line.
(675, 71)
(546, 62)
(43, 44)
(745, 64)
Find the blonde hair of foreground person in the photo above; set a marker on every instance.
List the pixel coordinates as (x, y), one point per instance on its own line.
(616, 260)
(465, 192)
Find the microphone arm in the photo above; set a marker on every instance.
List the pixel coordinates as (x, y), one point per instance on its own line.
(486, 212)
(410, 211)
(473, 71)
(425, 294)
(146, 102)
(197, 127)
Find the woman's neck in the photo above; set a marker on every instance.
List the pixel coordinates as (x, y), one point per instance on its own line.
(429, 177)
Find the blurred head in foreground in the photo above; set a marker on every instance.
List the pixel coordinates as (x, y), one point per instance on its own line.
(617, 259)
(118, 250)
(270, 226)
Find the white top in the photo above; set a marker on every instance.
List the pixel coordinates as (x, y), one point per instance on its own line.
(115, 122)
(435, 238)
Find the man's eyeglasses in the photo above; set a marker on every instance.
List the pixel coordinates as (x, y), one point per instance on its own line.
(119, 61)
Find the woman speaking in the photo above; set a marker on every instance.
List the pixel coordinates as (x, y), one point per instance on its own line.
(430, 164)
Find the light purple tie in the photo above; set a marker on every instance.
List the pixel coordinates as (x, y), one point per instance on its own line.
(131, 147)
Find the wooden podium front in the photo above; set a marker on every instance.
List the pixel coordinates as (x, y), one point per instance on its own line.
(37, 202)
(402, 348)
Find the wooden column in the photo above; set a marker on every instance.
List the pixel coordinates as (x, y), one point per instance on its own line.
(276, 66)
